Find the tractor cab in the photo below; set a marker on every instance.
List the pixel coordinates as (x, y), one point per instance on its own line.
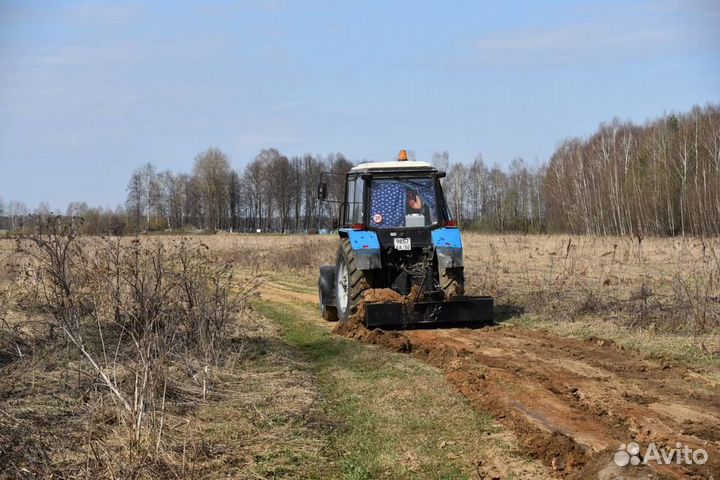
(393, 197)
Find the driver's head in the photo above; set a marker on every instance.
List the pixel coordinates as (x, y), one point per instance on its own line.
(414, 202)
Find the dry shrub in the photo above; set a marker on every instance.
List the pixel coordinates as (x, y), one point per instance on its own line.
(696, 293)
(16, 333)
(23, 451)
(11, 340)
(142, 315)
(591, 303)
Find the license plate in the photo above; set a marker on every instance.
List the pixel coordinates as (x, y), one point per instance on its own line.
(402, 244)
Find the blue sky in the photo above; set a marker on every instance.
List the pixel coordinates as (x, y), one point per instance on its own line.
(91, 90)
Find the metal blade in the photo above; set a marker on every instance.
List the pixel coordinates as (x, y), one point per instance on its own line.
(458, 312)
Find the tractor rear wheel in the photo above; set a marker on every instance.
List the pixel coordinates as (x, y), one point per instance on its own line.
(452, 282)
(326, 283)
(328, 313)
(350, 282)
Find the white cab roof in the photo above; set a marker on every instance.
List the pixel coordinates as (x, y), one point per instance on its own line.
(396, 164)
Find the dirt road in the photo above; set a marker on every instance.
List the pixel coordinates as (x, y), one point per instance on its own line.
(573, 403)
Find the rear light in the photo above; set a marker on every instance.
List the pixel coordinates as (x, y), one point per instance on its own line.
(450, 223)
(358, 226)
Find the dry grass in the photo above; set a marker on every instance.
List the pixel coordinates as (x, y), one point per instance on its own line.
(658, 294)
(659, 287)
(260, 418)
(133, 359)
(276, 253)
(661, 295)
(259, 410)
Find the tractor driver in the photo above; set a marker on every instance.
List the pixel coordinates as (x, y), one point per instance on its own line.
(416, 205)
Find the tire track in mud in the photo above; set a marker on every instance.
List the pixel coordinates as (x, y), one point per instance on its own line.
(499, 452)
(571, 402)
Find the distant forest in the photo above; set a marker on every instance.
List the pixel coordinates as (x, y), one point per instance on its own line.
(660, 178)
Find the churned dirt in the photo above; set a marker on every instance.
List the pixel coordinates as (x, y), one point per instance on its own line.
(571, 402)
(354, 327)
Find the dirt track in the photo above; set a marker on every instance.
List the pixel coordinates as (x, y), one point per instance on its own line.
(572, 402)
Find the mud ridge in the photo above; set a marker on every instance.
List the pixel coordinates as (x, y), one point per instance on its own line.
(570, 402)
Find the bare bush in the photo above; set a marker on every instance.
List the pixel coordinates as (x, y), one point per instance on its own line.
(136, 311)
(10, 336)
(694, 294)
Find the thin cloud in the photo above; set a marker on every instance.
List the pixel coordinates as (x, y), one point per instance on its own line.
(95, 13)
(115, 54)
(271, 5)
(289, 105)
(249, 139)
(661, 26)
(89, 55)
(573, 39)
(587, 43)
(698, 7)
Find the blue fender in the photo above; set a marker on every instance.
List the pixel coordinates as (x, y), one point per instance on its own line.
(366, 246)
(448, 247)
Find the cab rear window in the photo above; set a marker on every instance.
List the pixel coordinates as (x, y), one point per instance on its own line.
(402, 203)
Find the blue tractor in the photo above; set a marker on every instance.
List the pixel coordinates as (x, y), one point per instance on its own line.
(396, 232)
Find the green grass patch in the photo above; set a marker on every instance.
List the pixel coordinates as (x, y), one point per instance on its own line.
(397, 417)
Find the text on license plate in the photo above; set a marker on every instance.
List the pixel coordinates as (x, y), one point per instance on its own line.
(402, 244)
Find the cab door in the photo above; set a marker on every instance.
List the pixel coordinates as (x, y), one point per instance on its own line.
(354, 210)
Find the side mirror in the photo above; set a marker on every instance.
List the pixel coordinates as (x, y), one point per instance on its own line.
(322, 191)
(440, 175)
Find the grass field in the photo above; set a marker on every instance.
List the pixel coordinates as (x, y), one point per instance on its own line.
(660, 295)
(283, 397)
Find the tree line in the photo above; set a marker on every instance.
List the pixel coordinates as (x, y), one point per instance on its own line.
(660, 178)
(273, 193)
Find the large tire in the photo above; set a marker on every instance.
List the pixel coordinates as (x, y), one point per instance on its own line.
(350, 282)
(328, 313)
(452, 282)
